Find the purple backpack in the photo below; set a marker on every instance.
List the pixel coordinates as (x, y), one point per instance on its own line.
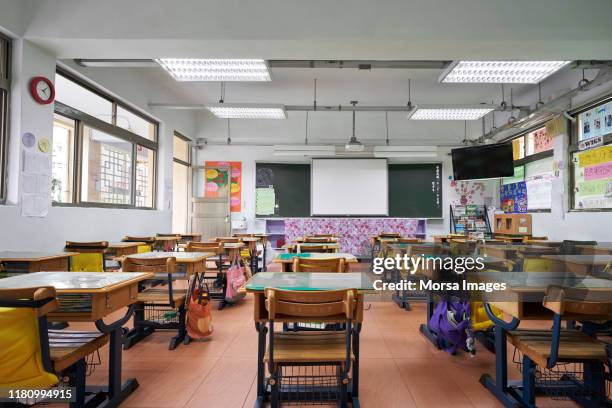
(449, 322)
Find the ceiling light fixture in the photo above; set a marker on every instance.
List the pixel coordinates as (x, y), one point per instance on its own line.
(246, 111)
(449, 113)
(193, 69)
(495, 72)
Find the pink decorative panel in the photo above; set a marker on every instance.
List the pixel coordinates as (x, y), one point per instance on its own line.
(353, 233)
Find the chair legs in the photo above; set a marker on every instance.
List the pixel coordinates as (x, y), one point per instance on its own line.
(77, 380)
(182, 329)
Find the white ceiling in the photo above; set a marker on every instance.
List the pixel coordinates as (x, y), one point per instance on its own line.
(320, 29)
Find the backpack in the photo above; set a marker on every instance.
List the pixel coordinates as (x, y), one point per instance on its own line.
(236, 277)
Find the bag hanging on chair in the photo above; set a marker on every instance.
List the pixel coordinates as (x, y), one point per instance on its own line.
(236, 277)
(199, 312)
(450, 321)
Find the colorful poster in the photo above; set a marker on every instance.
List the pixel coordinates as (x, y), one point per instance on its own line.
(593, 178)
(600, 171)
(595, 156)
(542, 141)
(513, 197)
(216, 181)
(596, 122)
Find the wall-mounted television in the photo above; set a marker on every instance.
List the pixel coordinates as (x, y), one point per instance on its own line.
(481, 162)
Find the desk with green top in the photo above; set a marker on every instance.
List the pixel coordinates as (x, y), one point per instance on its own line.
(89, 297)
(286, 260)
(304, 281)
(523, 301)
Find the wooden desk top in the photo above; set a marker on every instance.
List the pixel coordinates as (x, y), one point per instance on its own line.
(330, 240)
(75, 282)
(250, 239)
(166, 238)
(581, 259)
(233, 245)
(33, 256)
(307, 244)
(288, 258)
(116, 245)
(181, 257)
(308, 281)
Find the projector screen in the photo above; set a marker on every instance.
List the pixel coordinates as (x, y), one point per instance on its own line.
(349, 187)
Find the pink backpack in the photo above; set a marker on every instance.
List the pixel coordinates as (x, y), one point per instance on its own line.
(236, 278)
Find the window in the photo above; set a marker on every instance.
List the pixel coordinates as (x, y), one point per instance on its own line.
(5, 64)
(63, 150)
(533, 169)
(180, 183)
(116, 147)
(591, 158)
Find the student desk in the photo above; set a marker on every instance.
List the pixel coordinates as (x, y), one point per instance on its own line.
(190, 237)
(580, 264)
(251, 242)
(297, 247)
(329, 239)
(286, 260)
(33, 261)
(304, 281)
(89, 297)
(188, 262)
(523, 301)
(603, 248)
(165, 243)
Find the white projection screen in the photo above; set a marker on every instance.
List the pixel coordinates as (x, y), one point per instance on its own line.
(349, 187)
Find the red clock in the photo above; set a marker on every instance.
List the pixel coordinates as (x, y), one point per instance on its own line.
(42, 90)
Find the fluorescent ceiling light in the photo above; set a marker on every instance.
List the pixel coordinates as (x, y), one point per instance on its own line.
(193, 69)
(246, 111)
(304, 150)
(457, 113)
(500, 72)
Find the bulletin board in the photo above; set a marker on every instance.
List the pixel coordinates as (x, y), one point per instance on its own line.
(592, 188)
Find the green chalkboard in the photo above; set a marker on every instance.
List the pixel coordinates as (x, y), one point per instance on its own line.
(415, 190)
(291, 184)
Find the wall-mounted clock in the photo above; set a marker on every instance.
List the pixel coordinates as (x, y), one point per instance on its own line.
(42, 90)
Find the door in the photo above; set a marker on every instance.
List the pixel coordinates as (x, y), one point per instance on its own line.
(210, 211)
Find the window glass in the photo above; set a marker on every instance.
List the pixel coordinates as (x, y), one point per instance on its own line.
(180, 194)
(135, 124)
(518, 148)
(63, 150)
(78, 97)
(181, 149)
(538, 141)
(145, 177)
(106, 174)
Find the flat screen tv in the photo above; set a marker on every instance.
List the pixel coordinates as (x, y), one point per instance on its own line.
(481, 162)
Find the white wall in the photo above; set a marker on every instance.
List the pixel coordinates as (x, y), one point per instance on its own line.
(72, 223)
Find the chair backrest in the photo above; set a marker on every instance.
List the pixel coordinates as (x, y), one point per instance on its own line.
(227, 239)
(131, 238)
(244, 235)
(203, 247)
(313, 248)
(325, 235)
(24, 342)
(596, 304)
(568, 247)
(318, 239)
(319, 265)
(389, 235)
(409, 241)
(326, 304)
(90, 258)
(177, 236)
(154, 265)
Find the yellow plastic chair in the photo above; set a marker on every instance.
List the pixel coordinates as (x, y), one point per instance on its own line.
(90, 257)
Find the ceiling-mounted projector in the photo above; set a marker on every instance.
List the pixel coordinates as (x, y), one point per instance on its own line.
(354, 145)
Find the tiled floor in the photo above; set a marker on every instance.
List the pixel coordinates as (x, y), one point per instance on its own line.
(400, 368)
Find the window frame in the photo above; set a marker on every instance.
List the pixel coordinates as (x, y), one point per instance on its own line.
(574, 130)
(531, 158)
(83, 119)
(5, 86)
(186, 139)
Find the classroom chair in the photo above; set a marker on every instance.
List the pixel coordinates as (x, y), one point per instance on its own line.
(157, 308)
(325, 236)
(33, 357)
(545, 353)
(310, 360)
(216, 271)
(230, 240)
(313, 248)
(409, 241)
(146, 247)
(319, 265)
(90, 258)
(176, 236)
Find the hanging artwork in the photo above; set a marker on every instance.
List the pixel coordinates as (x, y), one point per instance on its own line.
(217, 181)
(467, 192)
